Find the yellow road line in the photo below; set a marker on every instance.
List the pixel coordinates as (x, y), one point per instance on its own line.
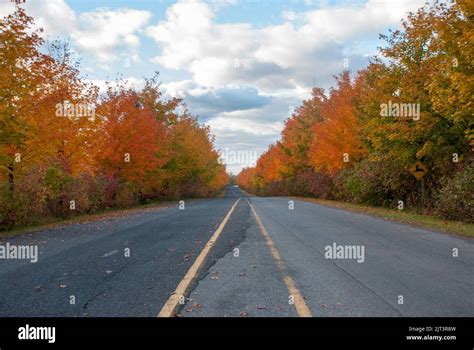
(299, 302)
(174, 300)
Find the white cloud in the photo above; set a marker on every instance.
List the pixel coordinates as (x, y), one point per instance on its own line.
(131, 82)
(282, 61)
(245, 125)
(186, 22)
(287, 54)
(288, 15)
(344, 22)
(102, 31)
(54, 16)
(218, 4)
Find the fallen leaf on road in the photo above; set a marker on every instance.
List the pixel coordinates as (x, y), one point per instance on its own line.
(195, 306)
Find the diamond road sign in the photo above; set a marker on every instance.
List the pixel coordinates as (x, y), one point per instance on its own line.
(418, 170)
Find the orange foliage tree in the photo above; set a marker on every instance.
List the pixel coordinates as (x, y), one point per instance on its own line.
(336, 138)
(66, 149)
(344, 144)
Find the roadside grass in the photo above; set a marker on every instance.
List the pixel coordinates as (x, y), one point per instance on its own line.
(402, 216)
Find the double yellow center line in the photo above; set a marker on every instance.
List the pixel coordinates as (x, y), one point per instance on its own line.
(171, 305)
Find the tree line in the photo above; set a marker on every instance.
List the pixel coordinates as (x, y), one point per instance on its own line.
(413, 102)
(66, 148)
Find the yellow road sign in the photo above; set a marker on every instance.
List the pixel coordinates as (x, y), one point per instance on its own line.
(418, 170)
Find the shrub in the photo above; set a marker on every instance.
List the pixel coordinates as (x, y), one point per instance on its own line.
(379, 183)
(13, 208)
(31, 188)
(125, 195)
(455, 199)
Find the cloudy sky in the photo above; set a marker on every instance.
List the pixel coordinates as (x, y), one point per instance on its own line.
(240, 65)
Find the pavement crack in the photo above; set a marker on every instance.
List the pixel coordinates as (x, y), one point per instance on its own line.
(224, 246)
(91, 299)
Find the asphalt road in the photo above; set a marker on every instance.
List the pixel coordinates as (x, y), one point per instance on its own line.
(268, 261)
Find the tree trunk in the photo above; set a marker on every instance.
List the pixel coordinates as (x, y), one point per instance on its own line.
(11, 179)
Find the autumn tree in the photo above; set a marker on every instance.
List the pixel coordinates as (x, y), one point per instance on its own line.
(64, 149)
(131, 138)
(22, 77)
(193, 162)
(426, 65)
(336, 138)
(413, 102)
(269, 166)
(246, 178)
(297, 135)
